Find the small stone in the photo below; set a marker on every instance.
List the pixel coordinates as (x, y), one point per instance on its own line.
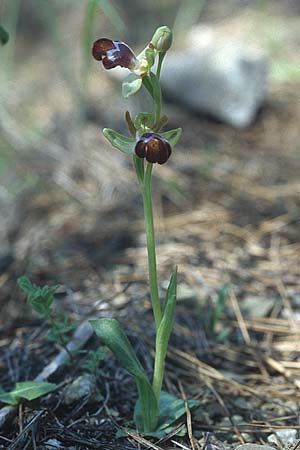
(83, 386)
(253, 447)
(247, 437)
(287, 436)
(236, 419)
(185, 292)
(273, 439)
(52, 444)
(5, 413)
(241, 403)
(257, 306)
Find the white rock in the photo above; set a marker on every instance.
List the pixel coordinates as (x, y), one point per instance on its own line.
(253, 447)
(53, 444)
(217, 74)
(81, 387)
(287, 436)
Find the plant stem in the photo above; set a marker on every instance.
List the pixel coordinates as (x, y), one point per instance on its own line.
(60, 339)
(158, 108)
(148, 213)
(160, 61)
(158, 375)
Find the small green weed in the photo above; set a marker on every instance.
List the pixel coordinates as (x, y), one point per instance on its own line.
(41, 300)
(213, 316)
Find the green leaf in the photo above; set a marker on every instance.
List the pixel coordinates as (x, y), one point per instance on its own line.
(131, 85)
(171, 410)
(4, 36)
(112, 335)
(172, 136)
(40, 299)
(25, 284)
(124, 143)
(29, 390)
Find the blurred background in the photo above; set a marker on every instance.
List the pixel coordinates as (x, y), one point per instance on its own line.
(227, 202)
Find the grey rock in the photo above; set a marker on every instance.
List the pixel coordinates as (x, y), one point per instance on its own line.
(257, 306)
(84, 386)
(247, 437)
(53, 444)
(5, 413)
(287, 436)
(253, 447)
(218, 76)
(273, 439)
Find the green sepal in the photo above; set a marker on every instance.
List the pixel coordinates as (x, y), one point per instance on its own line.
(112, 335)
(150, 56)
(28, 390)
(172, 136)
(131, 85)
(160, 124)
(4, 36)
(123, 143)
(144, 121)
(130, 124)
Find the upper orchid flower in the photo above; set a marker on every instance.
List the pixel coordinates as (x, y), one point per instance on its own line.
(117, 53)
(114, 53)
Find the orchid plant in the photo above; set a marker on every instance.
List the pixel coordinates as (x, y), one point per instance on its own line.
(155, 410)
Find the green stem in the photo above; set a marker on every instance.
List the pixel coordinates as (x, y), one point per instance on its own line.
(159, 368)
(148, 213)
(159, 64)
(158, 108)
(157, 100)
(60, 339)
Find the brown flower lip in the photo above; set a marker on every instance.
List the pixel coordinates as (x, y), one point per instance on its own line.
(153, 147)
(113, 54)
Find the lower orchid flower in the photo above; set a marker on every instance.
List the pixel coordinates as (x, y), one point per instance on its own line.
(154, 148)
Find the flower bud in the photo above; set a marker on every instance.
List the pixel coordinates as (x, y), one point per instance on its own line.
(162, 39)
(153, 147)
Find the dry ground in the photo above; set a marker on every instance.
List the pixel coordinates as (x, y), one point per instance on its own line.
(227, 210)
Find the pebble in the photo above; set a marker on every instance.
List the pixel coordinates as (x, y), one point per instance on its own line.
(82, 387)
(52, 444)
(287, 436)
(253, 447)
